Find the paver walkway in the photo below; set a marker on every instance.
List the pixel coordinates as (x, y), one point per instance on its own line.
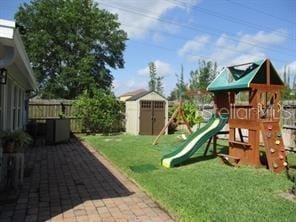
(71, 182)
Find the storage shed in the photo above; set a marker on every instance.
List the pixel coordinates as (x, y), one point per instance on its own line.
(146, 113)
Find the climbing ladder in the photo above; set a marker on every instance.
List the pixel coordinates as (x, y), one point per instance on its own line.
(274, 146)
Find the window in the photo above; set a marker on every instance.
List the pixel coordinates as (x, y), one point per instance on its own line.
(241, 135)
(11, 106)
(242, 98)
(19, 109)
(267, 100)
(14, 108)
(146, 104)
(159, 104)
(8, 125)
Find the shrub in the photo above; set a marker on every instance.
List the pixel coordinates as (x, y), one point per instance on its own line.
(191, 113)
(98, 110)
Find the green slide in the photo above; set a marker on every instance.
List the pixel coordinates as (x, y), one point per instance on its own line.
(194, 141)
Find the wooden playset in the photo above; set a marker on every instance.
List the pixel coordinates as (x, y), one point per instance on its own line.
(250, 93)
(177, 115)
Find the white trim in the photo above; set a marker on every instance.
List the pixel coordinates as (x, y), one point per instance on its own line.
(7, 23)
(9, 36)
(25, 59)
(6, 29)
(14, 107)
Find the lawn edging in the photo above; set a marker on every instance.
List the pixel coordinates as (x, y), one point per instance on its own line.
(123, 176)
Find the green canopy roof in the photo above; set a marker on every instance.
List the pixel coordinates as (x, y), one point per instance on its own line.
(240, 77)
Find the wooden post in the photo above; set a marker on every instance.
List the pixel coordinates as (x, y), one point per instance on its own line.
(185, 120)
(207, 147)
(215, 145)
(268, 72)
(178, 112)
(168, 123)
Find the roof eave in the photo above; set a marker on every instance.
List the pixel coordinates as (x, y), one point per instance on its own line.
(10, 36)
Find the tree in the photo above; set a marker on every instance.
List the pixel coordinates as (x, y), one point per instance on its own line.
(180, 89)
(203, 76)
(72, 44)
(155, 81)
(181, 86)
(289, 93)
(159, 85)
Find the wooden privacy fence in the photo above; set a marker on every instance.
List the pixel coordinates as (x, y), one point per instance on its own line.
(40, 110)
(289, 113)
(289, 124)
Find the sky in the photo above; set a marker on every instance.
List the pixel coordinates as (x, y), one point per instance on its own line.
(172, 33)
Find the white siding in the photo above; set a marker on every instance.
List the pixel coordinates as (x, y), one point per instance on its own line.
(132, 121)
(152, 96)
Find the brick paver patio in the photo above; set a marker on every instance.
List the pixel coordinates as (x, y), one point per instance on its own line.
(71, 182)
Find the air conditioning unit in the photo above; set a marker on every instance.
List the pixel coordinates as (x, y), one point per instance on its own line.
(57, 130)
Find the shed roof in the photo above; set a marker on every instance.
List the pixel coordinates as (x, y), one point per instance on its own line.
(133, 93)
(240, 77)
(141, 94)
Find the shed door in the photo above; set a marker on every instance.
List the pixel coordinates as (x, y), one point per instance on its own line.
(158, 117)
(152, 117)
(146, 117)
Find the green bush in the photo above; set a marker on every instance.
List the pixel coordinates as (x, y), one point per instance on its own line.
(98, 110)
(191, 114)
(190, 111)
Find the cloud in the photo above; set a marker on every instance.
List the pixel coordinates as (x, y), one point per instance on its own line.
(291, 71)
(158, 37)
(162, 69)
(291, 67)
(130, 83)
(138, 17)
(194, 45)
(227, 50)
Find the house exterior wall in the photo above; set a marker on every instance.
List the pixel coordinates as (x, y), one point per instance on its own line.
(131, 114)
(14, 59)
(20, 79)
(12, 102)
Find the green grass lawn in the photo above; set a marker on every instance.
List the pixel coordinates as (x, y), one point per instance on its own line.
(204, 189)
